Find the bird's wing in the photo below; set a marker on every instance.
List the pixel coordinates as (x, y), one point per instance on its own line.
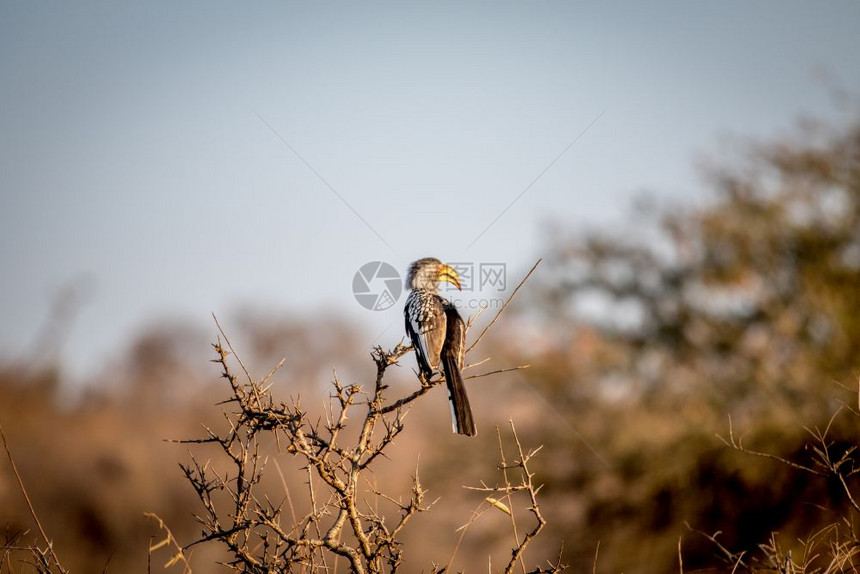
(456, 332)
(425, 323)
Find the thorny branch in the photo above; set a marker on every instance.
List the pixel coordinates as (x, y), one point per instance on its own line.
(263, 536)
(832, 549)
(501, 497)
(44, 558)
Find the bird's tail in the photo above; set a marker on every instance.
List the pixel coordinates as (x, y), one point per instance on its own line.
(461, 412)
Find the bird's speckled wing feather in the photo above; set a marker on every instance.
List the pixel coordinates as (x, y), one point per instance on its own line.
(426, 324)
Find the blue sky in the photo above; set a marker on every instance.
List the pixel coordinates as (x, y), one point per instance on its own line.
(147, 146)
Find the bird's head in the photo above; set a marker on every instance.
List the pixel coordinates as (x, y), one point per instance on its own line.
(428, 272)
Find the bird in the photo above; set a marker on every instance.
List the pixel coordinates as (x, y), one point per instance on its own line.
(438, 334)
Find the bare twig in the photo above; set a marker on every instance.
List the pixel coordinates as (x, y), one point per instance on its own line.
(735, 560)
(737, 444)
(168, 542)
(506, 491)
(230, 346)
(505, 306)
(49, 545)
(825, 544)
(496, 372)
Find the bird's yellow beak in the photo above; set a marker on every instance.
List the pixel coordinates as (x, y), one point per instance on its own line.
(448, 274)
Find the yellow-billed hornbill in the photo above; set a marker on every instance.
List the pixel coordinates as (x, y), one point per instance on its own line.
(438, 333)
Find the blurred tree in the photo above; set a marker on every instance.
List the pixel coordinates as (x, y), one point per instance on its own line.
(747, 306)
